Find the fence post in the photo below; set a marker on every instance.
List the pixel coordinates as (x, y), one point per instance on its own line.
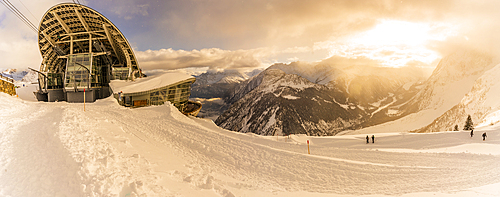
(308, 152)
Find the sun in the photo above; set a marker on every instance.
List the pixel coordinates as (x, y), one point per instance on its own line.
(396, 33)
(395, 43)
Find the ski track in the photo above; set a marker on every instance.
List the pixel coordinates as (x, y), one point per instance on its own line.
(99, 157)
(216, 152)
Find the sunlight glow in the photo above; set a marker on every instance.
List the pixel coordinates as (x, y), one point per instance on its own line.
(395, 43)
(397, 33)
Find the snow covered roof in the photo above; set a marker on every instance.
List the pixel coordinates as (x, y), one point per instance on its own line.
(6, 77)
(149, 83)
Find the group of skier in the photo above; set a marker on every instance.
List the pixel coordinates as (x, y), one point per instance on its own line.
(472, 134)
(368, 139)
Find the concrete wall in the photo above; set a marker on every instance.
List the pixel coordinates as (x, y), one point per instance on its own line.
(77, 97)
(56, 95)
(40, 96)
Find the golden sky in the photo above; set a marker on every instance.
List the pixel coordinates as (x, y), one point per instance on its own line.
(230, 34)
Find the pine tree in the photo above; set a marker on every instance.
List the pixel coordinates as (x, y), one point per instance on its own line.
(456, 128)
(468, 124)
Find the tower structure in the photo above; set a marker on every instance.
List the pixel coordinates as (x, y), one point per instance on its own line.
(82, 51)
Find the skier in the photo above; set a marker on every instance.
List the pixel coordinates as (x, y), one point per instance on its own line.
(373, 138)
(484, 136)
(367, 139)
(120, 96)
(471, 133)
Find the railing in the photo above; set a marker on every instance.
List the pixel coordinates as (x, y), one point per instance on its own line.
(7, 79)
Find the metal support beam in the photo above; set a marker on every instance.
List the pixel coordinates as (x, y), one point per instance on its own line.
(64, 26)
(45, 79)
(112, 43)
(49, 39)
(79, 40)
(79, 33)
(90, 43)
(77, 11)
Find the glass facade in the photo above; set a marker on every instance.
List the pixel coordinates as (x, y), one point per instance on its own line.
(54, 80)
(120, 73)
(178, 94)
(100, 76)
(77, 76)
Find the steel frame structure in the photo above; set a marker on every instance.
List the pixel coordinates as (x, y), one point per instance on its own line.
(69, 28)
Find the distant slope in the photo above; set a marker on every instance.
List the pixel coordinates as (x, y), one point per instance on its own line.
(481, 102)
(211, 87)
(452, 79)
(216, 84)
(280, 103)
(318, 99)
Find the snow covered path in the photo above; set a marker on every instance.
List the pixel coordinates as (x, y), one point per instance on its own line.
(28, 163)
(56, 149)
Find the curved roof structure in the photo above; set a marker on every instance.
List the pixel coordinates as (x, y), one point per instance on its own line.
(69, 25)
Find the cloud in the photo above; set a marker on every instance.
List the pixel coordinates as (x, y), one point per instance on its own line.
(212, 58)
(127, 9)
(297, 49)
(238, 31)
(478, 28)
(347, 62)
(18, 43)
(283, 23)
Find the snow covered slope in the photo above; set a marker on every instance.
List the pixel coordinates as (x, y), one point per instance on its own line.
(57, 149)
(481, 102)
(452, 79)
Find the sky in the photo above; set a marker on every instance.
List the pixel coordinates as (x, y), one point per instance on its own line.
(247, 35)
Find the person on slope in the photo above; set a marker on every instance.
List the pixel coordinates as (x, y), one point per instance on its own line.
(471, 133)
(367, 139)
(484, 136)
(373, 138)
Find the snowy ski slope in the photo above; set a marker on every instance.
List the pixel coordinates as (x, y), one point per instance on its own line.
(57, 149)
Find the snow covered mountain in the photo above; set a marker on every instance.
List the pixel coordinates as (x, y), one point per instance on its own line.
(317, 99)
(30, 77)
(26, 75)
(481, 102)
(16, 74)
(211, 86)
(215, 84)
(451, 81)
(281, 103)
